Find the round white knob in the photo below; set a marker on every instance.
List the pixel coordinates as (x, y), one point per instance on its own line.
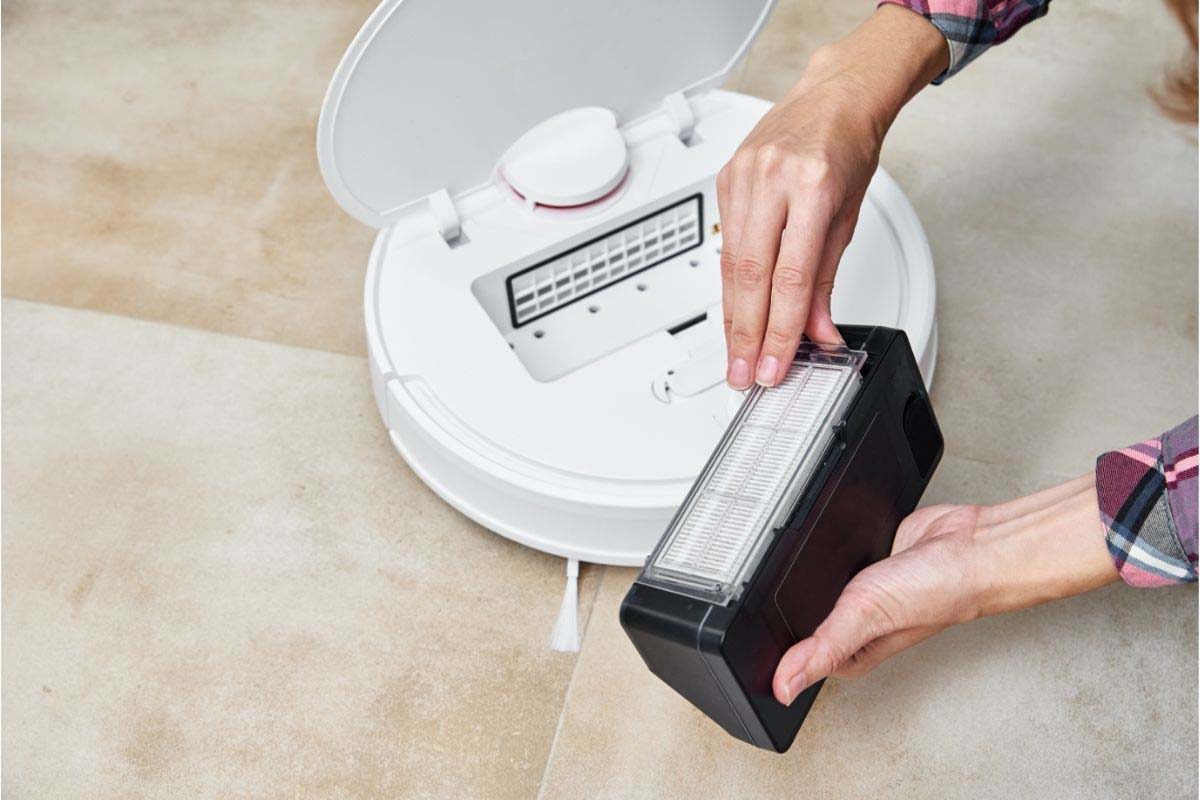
(571, 159)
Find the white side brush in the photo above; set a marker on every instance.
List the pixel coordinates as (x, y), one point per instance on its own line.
(565, 637)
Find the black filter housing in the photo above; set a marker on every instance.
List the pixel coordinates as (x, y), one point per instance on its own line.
(722, 658)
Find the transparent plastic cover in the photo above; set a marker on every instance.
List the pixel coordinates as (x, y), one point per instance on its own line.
(754, 479)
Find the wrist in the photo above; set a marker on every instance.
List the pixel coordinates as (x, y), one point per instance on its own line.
(912, 41)
(890, 57)
(1041, 548)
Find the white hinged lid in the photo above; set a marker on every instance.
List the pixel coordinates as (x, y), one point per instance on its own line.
(431, 93)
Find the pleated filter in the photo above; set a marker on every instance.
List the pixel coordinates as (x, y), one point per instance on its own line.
(535, 292)
(755, 476)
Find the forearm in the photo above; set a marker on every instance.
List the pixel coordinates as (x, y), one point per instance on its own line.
(972, 28)
(1043, 547)
(890, 57)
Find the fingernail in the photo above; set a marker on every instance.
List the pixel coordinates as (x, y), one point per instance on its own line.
(768, 368)
(794, 687)
(739, 374)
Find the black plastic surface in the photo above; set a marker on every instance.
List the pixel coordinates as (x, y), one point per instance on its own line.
(722, 658)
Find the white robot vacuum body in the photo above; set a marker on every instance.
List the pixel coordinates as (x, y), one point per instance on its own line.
(543, 299)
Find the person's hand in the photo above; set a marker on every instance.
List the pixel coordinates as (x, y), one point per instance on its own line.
(951, 564)
(926, 585)
(789, 198)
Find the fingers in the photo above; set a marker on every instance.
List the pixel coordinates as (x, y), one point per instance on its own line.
(785, 226)
(874, 653)
(791, 290)
(819, 226)
(802, 287)
(849, 644)
(925, 523)
(1035, 502)
(848, 628)
(758, 248)
(819, 326)
(732, 188)
(725, 212)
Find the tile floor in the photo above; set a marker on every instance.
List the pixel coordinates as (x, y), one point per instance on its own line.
(220, 581)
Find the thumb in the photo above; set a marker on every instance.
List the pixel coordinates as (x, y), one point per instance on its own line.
(848, 628)
(879, 650)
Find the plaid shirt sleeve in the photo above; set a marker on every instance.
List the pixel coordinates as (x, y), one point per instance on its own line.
(972, 26)
(1147, 494)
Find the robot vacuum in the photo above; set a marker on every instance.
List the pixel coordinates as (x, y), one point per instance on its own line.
(542, 301)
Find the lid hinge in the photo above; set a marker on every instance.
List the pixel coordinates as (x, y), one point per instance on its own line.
(445, 217)
(679, 110)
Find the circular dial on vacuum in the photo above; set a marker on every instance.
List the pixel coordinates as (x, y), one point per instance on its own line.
(571, 159)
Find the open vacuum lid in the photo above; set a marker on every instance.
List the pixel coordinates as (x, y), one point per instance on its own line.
(431, 93)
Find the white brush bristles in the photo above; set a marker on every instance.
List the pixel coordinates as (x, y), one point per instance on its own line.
(565, 637)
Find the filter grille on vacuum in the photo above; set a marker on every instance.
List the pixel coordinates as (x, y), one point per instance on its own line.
(750, 485)
(567, 277)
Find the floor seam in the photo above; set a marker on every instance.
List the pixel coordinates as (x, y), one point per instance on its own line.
(179, 326)
(562, 712)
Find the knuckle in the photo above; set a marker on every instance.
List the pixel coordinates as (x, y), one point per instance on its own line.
(821, 56)
(742, 337)
(728, 264)
(870, 613)
(816, 176)
(769, 160)
(750, 272)
(778, 340)
(834, 653)
(811, 170)
(791, 282)
(742, 161)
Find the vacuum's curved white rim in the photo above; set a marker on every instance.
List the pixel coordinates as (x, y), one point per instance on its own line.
(520, 535)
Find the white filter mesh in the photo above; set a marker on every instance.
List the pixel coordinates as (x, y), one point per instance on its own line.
(586, 269)
(778, 444)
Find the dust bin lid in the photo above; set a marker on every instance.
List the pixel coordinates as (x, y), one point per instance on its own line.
(431, 93)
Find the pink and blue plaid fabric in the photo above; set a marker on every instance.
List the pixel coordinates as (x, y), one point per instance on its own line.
(1147, 494)
(972, 26)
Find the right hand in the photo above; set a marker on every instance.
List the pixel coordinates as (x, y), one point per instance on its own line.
(789, 198)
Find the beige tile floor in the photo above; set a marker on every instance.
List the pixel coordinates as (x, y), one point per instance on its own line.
(220, 581)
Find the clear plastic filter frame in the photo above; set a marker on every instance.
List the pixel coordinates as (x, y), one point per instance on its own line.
(755, 477)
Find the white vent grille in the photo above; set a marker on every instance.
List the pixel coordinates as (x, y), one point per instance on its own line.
(602, 262)
(760, 468)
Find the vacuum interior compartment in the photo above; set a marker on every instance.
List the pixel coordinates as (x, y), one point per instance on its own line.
(564, 307)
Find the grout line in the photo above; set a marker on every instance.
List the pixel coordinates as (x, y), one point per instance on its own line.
(562, 714)
(179, 326)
